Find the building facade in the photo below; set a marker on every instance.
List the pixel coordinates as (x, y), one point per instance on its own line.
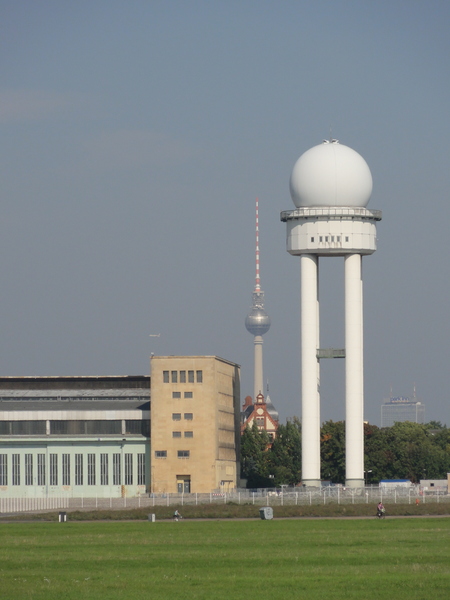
(90, 436)
(263, 413)
(401, 409)
(195, 433)
(74, 436)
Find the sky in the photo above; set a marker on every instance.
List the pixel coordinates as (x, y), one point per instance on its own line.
(135, 137)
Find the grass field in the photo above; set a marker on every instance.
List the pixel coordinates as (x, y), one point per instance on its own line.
(233, 560)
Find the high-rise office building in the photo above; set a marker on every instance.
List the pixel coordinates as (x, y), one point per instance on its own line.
(402, 409)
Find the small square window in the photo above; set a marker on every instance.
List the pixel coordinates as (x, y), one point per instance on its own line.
(332, 238)
(188, 434)
(166, 376)
(188, 416)
(188, 394)
(176, 434)
(183, 453)
(174, 376)
(199, 376)
(320, 238)
(338, 238)
(176, 394)
(176, 416)
(346, 238)
(326, 238)
(191, 376)
(182, 376)
(160, 453)
(312, 239)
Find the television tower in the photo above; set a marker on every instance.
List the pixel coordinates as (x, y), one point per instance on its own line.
(331, 185)
(257, 321)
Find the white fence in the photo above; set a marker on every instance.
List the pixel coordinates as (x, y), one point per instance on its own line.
(289, 496)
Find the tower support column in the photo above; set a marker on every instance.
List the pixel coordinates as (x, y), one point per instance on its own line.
(310, 370)
(354, 374)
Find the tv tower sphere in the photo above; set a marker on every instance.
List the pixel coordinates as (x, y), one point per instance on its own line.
(331, 185)
(258, 321)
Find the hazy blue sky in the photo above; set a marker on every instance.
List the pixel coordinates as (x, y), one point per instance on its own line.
(135, 137)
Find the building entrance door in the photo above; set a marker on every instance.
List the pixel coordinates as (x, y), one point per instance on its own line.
(184, 484)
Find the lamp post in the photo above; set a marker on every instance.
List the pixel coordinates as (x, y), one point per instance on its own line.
(366, 473)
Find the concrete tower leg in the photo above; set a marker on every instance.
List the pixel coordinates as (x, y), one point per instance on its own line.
(258, 372)
(354, 377)
(310, 370)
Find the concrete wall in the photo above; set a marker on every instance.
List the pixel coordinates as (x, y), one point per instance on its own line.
(195, 424)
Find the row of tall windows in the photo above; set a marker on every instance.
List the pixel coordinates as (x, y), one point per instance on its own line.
(180, 376)
(79, 427)
(79, 479)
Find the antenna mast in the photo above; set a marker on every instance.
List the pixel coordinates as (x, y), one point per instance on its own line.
(257, 279)
(258, 294)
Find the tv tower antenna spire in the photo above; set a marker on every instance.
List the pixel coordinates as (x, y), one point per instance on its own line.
(257, 278)
(257, 321)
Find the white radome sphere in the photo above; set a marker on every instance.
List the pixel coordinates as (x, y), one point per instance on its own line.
(331, 174)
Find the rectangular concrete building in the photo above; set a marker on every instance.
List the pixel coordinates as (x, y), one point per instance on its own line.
(195, 424)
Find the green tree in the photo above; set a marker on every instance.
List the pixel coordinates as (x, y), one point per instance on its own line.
(408, 451)
(254, 457)
(332, 451)
(285, 455)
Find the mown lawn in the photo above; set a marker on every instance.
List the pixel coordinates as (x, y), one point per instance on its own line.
(365, 559)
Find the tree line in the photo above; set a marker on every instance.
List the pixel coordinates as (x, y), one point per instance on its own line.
(404, 451)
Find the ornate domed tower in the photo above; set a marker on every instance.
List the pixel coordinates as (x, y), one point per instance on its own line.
(257, 321)
(331, 185)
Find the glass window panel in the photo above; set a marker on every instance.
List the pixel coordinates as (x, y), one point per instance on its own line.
(128, 469)
(53, 475)
(141, 468)
(117, 471)
(104, 469)
(66, 469)
(78, 469)
(41, 469)
(3, 469)
(28, 469)
(91, 469)
(16, 469)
